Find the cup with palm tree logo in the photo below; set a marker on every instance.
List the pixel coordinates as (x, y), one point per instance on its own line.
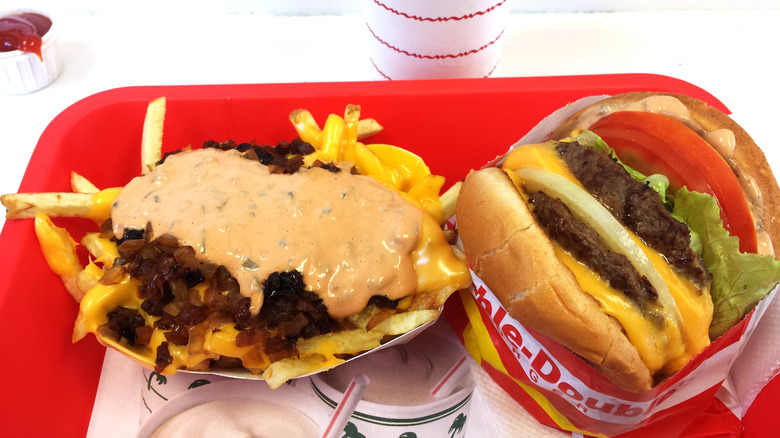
(421, 388)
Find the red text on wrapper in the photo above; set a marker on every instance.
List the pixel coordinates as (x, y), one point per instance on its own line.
(546, 372)
(534, 363)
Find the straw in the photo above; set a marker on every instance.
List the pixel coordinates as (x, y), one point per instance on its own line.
(445, 385)
(344, 410)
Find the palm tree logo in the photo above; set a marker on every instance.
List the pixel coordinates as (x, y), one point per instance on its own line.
(160, 379)
(351, 431)
(457, 425)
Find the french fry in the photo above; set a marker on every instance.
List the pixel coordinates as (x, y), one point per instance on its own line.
(64, 204)
(344, 342)
(59, 250)
(368, 128)
(281, 371)
(332, 134)
(363, 318)
(151, 140)
(306, 127)
(349, 342)
(351, 123)
(89, 277)
(449, 199)
(309, 131)
(102, 250)
(79, 184)
(401, 323)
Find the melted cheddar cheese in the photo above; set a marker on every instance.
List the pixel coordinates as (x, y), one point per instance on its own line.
(102, 200)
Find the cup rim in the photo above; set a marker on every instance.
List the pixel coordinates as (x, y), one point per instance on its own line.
(329, 395)
(231, 389)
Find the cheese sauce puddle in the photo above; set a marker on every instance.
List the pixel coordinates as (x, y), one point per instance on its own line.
(348, 235)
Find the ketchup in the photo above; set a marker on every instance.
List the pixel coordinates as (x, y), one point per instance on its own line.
(23, 32)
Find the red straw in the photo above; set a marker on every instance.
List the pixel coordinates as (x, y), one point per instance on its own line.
(344, 410)
(447, 376)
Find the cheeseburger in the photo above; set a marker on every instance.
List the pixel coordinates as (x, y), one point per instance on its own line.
(640, 232)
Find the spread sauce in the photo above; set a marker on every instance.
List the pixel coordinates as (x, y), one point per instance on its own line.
(348, 235)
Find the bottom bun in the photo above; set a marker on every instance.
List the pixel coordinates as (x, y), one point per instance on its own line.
(511, 253)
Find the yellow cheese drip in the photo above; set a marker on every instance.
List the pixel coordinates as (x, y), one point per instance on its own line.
(434, 262)
(542, 155)
(101, 210)
(59, 248)
(694, 305)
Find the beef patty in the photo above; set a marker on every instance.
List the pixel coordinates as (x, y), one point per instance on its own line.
(636, 206)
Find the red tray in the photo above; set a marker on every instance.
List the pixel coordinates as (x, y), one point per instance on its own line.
(454, 125)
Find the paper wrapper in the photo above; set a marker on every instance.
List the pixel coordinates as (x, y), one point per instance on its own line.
(709, 395)
(435, 39)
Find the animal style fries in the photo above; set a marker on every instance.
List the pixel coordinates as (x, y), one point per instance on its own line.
(207, 316)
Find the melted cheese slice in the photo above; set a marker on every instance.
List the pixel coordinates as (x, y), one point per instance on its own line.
(663, 349)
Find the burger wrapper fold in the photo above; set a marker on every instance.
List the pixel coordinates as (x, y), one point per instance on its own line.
(710, 395)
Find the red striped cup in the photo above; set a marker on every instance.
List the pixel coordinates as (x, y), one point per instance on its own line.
(412, 39)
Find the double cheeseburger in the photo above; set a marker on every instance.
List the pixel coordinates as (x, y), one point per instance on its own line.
(641, 231)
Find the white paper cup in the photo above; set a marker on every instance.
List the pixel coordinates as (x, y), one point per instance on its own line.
(23, 72)
(237, 408)
(398, 399)
(445, 417)
(435, 39)
(157, 389)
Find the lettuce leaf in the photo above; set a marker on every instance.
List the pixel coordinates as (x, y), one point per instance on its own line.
(739, 280)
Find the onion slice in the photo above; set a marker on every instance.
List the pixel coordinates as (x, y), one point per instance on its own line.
(590, 211)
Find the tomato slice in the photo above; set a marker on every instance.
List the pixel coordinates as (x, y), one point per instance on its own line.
(653, 143)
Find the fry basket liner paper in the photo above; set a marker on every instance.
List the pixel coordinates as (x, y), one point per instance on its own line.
(562, 391)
